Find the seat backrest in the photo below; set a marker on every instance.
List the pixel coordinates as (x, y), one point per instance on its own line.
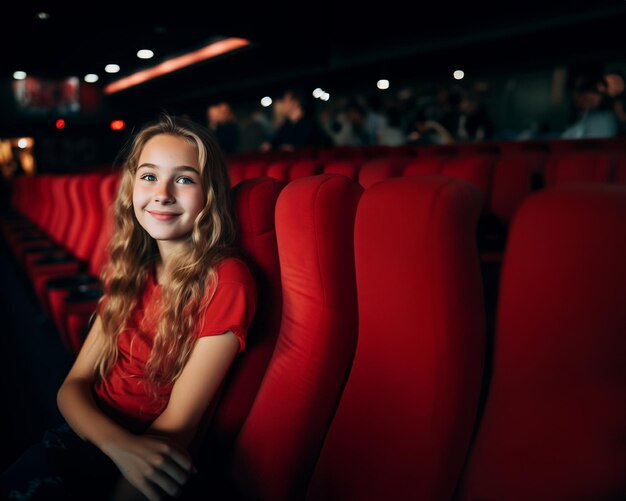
(404, 422)
(425, 166)
(475, 169)
(578, 167)
(92, 222)
(255, 168)
(378, 169)
(620, 171)
(255, 203)
(512, 183)
(347, 167)
(280, 440)
(59, 226)
(304, 168)
(107, 193)
(278, 170)
(77, 211)
(236, 172)
(554, 421)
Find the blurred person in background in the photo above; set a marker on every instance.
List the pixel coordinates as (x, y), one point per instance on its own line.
(299, 128)
(615, 89)
(593, 111)
(223, 123)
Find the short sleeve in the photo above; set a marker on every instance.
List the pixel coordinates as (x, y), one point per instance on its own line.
(233, 304)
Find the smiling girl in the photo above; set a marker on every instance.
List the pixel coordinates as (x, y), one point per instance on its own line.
(175, 312)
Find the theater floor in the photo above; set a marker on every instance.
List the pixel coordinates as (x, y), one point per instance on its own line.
(33, 363)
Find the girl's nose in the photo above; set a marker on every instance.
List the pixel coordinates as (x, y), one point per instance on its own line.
(164, 194)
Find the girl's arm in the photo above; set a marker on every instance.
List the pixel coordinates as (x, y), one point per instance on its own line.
(149, 463)
(195, 388)
(191, 395)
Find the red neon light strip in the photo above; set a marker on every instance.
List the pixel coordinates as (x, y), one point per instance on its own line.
(176, 63)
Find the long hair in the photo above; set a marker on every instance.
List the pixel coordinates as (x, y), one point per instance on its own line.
(191, 277)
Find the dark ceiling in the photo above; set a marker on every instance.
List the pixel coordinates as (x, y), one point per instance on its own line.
(297, 43)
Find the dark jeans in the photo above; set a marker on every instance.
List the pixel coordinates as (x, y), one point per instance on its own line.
(61, 467)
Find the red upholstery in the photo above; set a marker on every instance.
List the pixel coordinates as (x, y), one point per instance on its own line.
(236, 172)
(55, 230)
(281, 438)
(512, 183)
(554, 422)
(93, 217)
(86, 211)
(278, 170)
(404, 422)
(620, 172)
(426, 166)
(58, 292)
(577, 167)
(255, 202)
(475, 169)
(304, 168)
(378, 169)
(38, 268)
(346, 167)
(23, 231)
(254, 169)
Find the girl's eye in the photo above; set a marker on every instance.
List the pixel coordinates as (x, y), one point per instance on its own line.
(185, 180)
(148, 177)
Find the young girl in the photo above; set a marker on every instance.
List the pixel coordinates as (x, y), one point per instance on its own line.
(175, 311)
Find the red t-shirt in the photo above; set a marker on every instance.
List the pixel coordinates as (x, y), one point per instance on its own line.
(122, 394)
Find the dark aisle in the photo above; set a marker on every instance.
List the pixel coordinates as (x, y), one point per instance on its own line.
(33, 363)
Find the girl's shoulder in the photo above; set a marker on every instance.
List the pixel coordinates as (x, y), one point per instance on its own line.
(234, 269)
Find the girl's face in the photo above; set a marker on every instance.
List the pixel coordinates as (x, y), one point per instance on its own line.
(167, 191)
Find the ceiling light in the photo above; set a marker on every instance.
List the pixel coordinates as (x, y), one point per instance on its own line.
(176, 63)
(112, 68)
(91, 78)
(266, 101)
(19, 75)
(382, 84)
(43, 15)
(145, 54)
(458, 74)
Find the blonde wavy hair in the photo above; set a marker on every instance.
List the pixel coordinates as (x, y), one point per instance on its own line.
(133, 254)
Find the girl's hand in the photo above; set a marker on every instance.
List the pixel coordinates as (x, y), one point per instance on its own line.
(152, 465)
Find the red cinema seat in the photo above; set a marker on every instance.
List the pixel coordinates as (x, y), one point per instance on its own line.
(51, 242)
(346, 167)
(578, 167)
(255, 202)
(620, 171)
(304, 168)
(87, 210)
(475, 169)
(255, 168)
(405, 419)
(84, 288)
(275, 452)
(554, 424)
(38, 267)
(425, 166)
(236, 172)
(516, 175)
(278, 170)
(513, 182)
(378, 169)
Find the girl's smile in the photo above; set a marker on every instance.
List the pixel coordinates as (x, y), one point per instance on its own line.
(163, 216)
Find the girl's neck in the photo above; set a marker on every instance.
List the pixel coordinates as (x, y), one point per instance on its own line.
(158, 271)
